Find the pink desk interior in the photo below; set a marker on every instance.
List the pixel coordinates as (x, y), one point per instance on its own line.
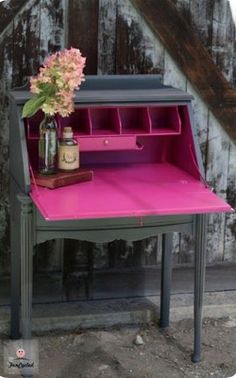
(127, 191)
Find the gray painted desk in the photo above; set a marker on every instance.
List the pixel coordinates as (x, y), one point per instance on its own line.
(28, 226)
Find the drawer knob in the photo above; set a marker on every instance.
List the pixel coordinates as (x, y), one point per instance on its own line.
(106, 142)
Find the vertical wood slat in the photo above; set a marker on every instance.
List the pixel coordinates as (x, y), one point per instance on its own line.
(173, 74)
(201, 121)
(138, 51)
(202, 16)
(26, 44)
(6, 47)
(230, 219)
(223, 38)
(107, 36)
(83, 30)
(184, 7)
(216, 29)
(217, 172)
(52, 25)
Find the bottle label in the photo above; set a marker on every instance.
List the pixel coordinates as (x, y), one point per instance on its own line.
(68, 159)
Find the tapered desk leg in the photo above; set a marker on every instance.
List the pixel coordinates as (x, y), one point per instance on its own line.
(199, 282)
(26, 266)
(166, 273)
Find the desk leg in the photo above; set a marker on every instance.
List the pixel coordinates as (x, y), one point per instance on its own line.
(199, 282)
(166, 273)
(26, 247)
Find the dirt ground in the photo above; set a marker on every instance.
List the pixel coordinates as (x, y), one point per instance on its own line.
(113, 353)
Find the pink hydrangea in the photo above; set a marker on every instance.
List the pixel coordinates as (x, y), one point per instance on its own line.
(57, 80)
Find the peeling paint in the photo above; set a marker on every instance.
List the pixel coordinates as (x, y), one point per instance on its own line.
(138, 49)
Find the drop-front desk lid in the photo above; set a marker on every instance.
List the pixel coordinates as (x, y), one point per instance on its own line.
(127, 191)
(163, 178)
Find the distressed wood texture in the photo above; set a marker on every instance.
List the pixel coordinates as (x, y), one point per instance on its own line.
(137, 49)
(188, 52)
(107, 37)
(124, 36)
(83, 30)
(8, 11)
(35, 29)
(218, 32)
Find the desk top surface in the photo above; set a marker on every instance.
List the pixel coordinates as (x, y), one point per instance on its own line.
(129, 190)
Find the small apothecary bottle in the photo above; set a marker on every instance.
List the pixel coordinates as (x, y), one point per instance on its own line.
(68, 153)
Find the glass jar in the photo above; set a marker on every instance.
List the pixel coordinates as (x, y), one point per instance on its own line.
(68, 154)
(47, 148)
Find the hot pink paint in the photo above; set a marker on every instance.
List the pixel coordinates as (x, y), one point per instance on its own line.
(129, 190)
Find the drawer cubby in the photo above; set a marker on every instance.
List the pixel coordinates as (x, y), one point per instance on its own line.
(164, 120)
(134, 120)
(104, 121)
(116, 121)
(79, 120)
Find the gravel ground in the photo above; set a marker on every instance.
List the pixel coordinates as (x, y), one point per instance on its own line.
(113, 352)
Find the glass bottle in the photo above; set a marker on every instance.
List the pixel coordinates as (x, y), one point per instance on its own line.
(68, 154)
(47, 147)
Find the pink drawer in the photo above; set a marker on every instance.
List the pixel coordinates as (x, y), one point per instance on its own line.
(109, 143)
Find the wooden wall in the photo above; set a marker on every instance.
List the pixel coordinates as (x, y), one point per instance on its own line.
(29, 30)
(115, 39)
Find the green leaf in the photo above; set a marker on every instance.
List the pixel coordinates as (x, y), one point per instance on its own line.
(47, 89)
(32, 106)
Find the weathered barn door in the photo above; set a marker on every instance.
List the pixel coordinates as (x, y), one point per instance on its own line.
(116, 36)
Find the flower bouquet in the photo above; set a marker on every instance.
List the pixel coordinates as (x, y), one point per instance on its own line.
(54, 86)
(53, 92)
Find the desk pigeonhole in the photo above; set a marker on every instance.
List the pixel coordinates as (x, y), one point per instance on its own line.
(137, 137)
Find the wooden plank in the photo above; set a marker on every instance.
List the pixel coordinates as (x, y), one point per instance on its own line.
(188, 52)
(172, 73)
(216, 29)
(201, 121)
(217, 173)
(223, 38)
(83, 30)
(138, 50)
(184, 7)
(8, 11)
(52, 36)
(107, 36)
(230, 219)
(26, 42)
(5, 84)
(202, 16)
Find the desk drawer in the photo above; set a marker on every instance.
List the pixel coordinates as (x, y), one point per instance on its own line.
(109, 143)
